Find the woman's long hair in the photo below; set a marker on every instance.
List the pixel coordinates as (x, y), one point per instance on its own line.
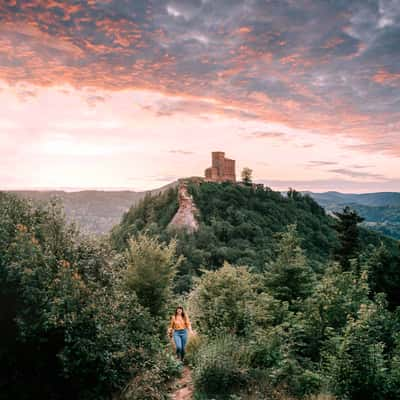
(183, 312)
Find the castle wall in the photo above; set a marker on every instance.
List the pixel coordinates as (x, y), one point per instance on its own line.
(218, 161)
(211, 174)
(230, 174)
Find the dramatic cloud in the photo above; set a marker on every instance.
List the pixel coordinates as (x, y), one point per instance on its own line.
(294, 62)
(320, 70)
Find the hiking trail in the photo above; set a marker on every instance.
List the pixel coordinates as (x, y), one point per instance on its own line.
(184, 386)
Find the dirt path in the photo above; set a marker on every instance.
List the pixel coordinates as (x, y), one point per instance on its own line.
(184, 390)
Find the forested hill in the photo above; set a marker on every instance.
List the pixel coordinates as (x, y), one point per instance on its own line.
(381, 210)
(238, 224)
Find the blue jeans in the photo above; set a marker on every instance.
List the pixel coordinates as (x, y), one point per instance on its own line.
(180, 339)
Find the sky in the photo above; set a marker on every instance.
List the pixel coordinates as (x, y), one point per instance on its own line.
(133, 94)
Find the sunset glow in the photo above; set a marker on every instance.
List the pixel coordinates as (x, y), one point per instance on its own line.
(135, 94)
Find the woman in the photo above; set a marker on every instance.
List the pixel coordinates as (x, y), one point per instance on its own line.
(178, 327)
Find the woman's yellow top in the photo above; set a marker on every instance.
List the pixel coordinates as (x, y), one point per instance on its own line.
(179, 322)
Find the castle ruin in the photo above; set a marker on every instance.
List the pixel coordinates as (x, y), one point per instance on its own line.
(221, 170)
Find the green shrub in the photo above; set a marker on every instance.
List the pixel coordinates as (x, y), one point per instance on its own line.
(289, 277)
(363, 362)
(151, 270)
(272, 358)
(193, 347)
(393, 382)
(151, 383)
(221, 367)
(266, 349)
(70, 329)
(220, 303)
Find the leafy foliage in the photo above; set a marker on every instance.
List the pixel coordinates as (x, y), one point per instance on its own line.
(383, 272)
(237, 224)
(153, 213)
(346, 226)
(298, 344)
(220, 367)
(289, 277)
(247, 176)
(222, 299)
(69, 327)
(359, 366)
(277, 315)
(151, 270)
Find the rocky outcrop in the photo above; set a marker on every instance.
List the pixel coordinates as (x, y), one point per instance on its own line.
(185, 217)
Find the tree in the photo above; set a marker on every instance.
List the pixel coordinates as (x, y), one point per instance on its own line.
(348, 233)
(336, 297)
(151, 269)
(231, 301)
(294, 194)
(70, 328)
(289, 277)
(383, 272)
(358, 365)
(247, 176)
(219, 301)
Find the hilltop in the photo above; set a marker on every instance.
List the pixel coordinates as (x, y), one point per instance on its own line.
(238, 224)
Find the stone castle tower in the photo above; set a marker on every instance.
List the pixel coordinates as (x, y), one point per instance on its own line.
(222, 169)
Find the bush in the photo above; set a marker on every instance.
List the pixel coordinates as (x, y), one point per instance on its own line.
(151, 270)
(363, 364)
(69, 327)
(220, 303)
(193, 347)
(336, 297)
(150, 383)
(221, 367)
(393, 383)
(266, 350)
(272, 357)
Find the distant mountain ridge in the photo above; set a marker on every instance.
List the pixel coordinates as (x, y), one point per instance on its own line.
(381, 210)
(98, 211)
(378, 199)
(95, 211)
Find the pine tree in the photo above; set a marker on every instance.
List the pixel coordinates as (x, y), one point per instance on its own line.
(289, 277)
(348, 233)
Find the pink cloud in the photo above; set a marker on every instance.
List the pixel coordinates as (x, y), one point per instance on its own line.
(94, 51)
(386, 78)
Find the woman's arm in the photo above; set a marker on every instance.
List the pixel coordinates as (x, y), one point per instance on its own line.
(171, 326)
(189, 325)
